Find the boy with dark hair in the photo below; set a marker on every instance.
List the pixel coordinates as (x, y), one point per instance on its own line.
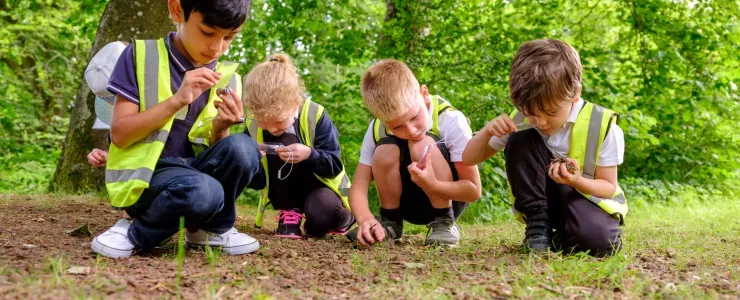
(561, 153)
(172, 154)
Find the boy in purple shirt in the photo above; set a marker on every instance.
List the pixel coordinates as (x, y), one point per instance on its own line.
(201, 188)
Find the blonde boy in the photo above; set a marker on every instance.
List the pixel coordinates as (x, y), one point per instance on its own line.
(432, 190)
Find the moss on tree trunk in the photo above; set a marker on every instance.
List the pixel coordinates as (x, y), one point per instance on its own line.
(123, 20)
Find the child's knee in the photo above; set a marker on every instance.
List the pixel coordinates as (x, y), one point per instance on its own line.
(201, 197)
(243, 151)
(523, 142)
(386, 156)
(417, 149)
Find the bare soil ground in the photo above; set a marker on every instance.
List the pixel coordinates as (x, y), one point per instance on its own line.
(39, 259)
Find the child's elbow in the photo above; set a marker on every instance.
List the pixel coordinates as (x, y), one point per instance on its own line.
(477, 195)
(118, 142)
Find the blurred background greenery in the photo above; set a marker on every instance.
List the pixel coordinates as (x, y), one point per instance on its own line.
(669, 67)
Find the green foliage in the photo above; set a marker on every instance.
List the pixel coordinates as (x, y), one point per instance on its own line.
(669, 67)
(44, 47)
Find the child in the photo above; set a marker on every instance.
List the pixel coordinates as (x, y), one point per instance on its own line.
(433, 189)
(165, 113)
(304, 174)
(578, 196)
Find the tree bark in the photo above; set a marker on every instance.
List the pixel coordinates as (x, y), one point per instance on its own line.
(122, 20)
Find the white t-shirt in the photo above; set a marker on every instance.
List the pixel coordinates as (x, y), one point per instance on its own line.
(454, 132)
(612, 150)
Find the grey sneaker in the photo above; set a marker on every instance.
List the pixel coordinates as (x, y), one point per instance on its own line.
(393, 231)
(443, 232)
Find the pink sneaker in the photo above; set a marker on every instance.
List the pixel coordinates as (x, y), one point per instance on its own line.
(289, 224)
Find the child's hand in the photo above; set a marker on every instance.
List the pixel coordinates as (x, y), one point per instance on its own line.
(294, 153)
(424, 178)
(98, 158)
(499, 127)
(370, 232)
(230, 110)
(194, 83)
(559, 172)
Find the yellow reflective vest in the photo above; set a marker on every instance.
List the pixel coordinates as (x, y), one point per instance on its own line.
(309, 116)
(129, 170)
(588, 135)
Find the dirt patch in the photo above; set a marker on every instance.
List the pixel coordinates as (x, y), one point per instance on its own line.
(35, 242)
(39, 259)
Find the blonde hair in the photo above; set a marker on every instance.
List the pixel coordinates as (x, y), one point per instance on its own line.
(273, 88)
(389, 89)
(543, 74)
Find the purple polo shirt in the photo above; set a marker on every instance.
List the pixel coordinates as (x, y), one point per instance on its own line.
(123, 83)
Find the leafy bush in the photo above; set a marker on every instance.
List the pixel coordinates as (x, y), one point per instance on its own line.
(669, 67)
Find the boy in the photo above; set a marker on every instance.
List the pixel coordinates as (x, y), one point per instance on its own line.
(413, 184)
(577, 195)
(166, 109)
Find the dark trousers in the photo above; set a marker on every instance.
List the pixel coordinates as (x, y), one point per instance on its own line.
(580, 224)
(416, 208)
(202, 189)
(301, 190)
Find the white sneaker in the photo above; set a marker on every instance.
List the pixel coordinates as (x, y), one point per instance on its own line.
(231, 242)
(114, 242)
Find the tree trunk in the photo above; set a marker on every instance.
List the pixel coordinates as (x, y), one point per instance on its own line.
(122, 20)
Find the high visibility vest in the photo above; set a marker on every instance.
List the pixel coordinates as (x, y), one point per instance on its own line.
(309, 116)
(129, 170)
(587, 136)
(439, 105)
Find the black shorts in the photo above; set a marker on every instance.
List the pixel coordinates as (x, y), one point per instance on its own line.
(416, 207)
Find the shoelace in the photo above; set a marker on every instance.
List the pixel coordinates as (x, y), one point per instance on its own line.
(289, 217)
(440, 224)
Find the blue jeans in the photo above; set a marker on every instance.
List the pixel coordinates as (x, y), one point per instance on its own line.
(203, 189)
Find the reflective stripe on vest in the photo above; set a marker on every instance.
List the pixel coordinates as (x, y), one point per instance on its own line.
(129, 170)
(308, 117)
(439, 105)
(587, 136)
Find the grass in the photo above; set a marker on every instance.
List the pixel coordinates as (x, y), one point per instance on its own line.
(670, 251)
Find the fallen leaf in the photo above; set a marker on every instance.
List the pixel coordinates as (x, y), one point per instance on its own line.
(78, 270)
(83, 230)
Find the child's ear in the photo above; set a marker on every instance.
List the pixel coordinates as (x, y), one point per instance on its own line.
(176, 13)
(425, 94)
